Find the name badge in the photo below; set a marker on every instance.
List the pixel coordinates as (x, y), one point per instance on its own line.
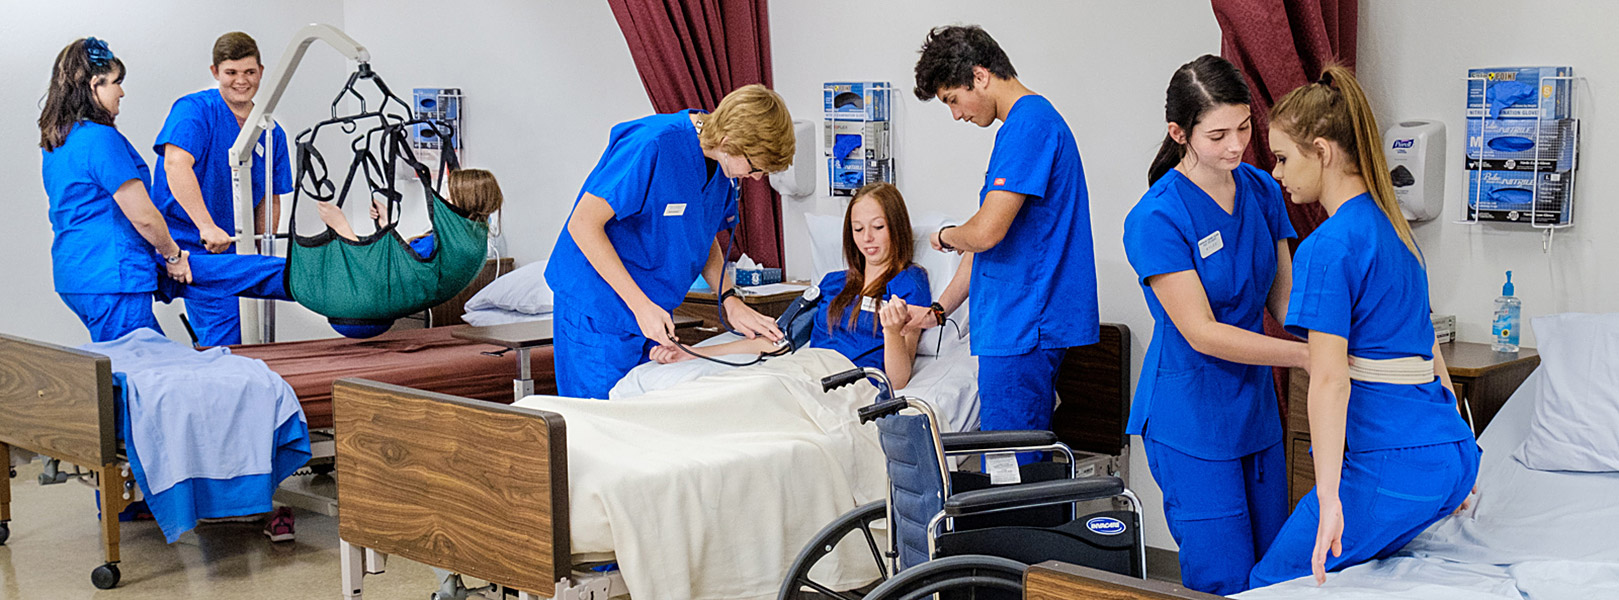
(674, 210)
(1210, 245)
(868, 304)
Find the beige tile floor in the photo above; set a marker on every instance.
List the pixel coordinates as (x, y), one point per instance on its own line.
(56, 541)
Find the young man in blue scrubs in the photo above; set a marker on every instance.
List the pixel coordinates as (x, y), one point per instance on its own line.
(1032, 273)
(193, 187)
(646, 224)
(1392, 454)
(1209, 243)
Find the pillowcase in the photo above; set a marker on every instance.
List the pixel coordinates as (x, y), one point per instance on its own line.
(523, 290)
(485, 317)
(1576, 422)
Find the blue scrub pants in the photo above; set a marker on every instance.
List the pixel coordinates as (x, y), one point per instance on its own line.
(1018, 392)
(1388, 497)
(1222, 513)
(590, 358)
(111, 316)
(217, 280)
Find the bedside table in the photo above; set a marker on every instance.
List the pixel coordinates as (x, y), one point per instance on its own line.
(703, 306)
(1483, 378)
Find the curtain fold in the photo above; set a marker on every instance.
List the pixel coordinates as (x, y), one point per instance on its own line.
(1280, 45)
(689, 54)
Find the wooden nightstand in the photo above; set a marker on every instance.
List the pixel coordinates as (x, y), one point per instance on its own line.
(1483, 378)
(702, 305)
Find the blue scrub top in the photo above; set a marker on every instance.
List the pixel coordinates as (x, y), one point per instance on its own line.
(1037, 288)
(202, 124)
(667, 209)
(96, 249)
(1207, 407)
(1354, 278)
(863, 344)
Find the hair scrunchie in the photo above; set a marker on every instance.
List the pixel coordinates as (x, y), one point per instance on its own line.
(100, 55)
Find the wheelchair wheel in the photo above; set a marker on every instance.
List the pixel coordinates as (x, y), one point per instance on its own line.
(958, 574)
(800, 586)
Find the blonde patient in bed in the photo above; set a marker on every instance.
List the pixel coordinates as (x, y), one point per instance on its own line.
(866, 312)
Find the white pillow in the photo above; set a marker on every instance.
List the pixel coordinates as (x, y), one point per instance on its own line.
(1576, 421)
(485, 317)
(523, 290)
(826, 243)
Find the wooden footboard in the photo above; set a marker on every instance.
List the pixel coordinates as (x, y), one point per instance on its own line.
(1062, 581)
(57, 401)
(478, 488)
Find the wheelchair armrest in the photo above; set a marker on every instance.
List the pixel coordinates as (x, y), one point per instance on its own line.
(990, 441)
(1032, 494)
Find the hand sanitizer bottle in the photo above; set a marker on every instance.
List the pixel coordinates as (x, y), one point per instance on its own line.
(1508, 310)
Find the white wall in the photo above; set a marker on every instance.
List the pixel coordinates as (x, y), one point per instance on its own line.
(1413, 60)
(1104, 65)
(167, 48)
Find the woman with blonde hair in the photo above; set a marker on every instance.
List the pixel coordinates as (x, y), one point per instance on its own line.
(1392, 454)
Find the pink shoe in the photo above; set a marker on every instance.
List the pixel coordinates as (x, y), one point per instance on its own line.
(280, 526)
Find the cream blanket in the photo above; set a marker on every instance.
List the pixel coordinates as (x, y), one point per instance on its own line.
(709, 489)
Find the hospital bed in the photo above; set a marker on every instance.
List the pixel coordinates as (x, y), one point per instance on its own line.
(486, 491)
(1532, 535)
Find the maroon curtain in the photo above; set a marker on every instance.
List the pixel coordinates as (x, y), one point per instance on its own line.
(690, 53)
(1280, 45)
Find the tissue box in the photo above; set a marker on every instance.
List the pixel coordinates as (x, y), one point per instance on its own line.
(1515, 144)
(857, 100)
(1444, 328)
(1511, 196)
(758, 276)
(1550, 100)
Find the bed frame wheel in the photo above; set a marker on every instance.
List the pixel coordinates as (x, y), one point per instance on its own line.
(799, 586)
(106, 576)
(5, 532)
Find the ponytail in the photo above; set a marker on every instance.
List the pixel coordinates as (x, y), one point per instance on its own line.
(1170, 154)
(1335, 109)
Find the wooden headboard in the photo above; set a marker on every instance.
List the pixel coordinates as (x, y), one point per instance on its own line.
(1094, 385)
(475, 487)
(449, 312)
(57, 401)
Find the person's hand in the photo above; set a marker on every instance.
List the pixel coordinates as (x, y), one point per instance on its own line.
(1329, 535)
(376, 210)
(895, 316)
(655, 323)
(668, 354)
(180, 271)
(214, 239)
(1467, 502)
(921, 317)
(749, 322)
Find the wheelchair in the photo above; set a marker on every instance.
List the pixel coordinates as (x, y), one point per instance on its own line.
(953, 533)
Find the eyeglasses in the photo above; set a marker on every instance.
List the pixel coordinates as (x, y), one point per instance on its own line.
(752, 169)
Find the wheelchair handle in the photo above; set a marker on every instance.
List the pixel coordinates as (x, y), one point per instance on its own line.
(837, 380)
(882, 409)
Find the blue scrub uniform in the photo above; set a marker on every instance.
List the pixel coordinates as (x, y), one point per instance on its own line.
(203, 125)
(1033, 295)
(102, 267)
(1210, 426)
(1410, 457)
(863, 344)
(668, 206)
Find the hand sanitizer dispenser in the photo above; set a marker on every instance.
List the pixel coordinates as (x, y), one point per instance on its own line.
(1415, 151)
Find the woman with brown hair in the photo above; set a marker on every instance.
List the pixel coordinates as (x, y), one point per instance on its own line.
(1361, 290)
(473, 192)
(866, 316)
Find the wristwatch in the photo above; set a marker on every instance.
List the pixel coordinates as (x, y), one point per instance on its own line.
(938, 312)
(174, 260)
(727, 294)
(942, 243)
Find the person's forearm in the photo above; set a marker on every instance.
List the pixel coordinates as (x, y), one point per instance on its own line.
(148, 221)
(714, 269)
(183, 184)
(758, 345)
(334, 218)
(955, 293)
(1442, 372)
(1239, 345)
(972, 236)
(1282, 286)
(1328, 412)
(602, 256)
(899, 357)
(267, 218)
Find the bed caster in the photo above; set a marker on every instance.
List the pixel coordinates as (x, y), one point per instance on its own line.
(53, 473)
(106, 576)
(5, 532)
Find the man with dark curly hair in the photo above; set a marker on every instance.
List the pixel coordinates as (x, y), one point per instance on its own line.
(1031, 272)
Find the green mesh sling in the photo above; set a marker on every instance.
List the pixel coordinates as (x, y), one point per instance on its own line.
(379, 278)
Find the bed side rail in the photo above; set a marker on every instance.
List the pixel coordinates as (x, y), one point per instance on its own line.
(57, 401)
(1054, 580)
(478, 488)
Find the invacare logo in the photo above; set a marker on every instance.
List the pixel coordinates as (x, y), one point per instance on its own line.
(1404, 144)
(1105, 525)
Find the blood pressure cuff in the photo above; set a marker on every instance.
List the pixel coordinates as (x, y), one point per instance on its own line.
(799, 319)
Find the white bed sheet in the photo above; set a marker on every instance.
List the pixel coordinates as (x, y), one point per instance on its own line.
(708, 489)
(1534, 535)
(948, 382)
